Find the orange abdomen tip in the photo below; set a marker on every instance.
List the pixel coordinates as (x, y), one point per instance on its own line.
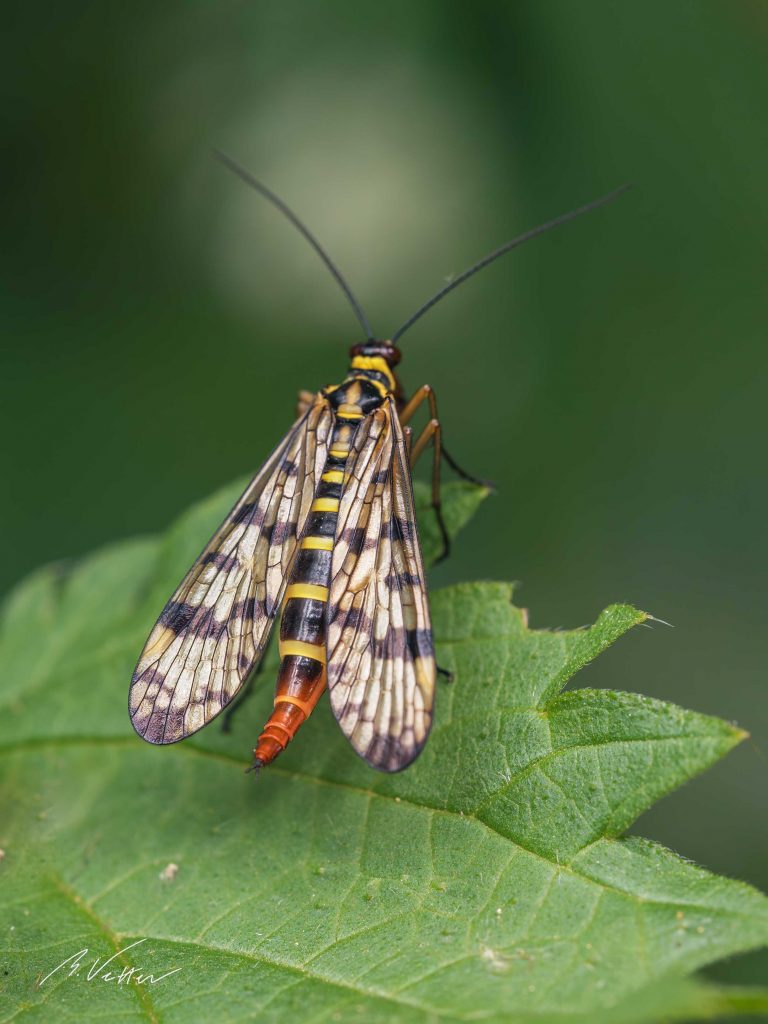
(300, 685)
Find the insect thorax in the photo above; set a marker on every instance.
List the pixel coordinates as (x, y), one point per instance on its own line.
(368, 383)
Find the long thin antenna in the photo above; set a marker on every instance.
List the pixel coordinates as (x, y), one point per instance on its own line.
(506, 248)
(249, 179)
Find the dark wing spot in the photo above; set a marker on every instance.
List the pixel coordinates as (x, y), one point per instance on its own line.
(244, 609)
(280, 532)
(181, 618)
(392, 646)
(204, 624)
(379, 750)
(355, 619)
(400, 580)
(249, 513)
(220, 560)
(174, 725)
(398, 641)
(153, 678)
(400, 529)
(152, 729)
(354, 537)
(177, 616)
(420, 643)
(243, 513)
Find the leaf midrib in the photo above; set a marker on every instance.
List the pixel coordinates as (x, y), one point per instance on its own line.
(84, 908)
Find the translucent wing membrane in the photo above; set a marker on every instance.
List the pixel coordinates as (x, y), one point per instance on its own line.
(381, 666)
(214, 629)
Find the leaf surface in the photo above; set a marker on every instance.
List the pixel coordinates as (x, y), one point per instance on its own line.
(488, 881)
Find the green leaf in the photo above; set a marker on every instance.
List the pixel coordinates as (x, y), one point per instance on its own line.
(488, 881)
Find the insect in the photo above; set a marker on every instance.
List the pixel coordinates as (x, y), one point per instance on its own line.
(324, 534)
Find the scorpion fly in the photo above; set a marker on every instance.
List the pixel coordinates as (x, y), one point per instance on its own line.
(324, 534)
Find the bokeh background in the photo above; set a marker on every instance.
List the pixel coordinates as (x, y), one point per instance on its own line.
(158, 317)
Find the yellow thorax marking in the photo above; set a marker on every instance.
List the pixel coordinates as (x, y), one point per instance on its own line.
(381, 388)
(374, 363)
(348, 411)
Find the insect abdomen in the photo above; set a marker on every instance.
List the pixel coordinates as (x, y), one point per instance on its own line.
(302, 675)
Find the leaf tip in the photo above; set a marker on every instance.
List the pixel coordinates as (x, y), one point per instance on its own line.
(617, 619)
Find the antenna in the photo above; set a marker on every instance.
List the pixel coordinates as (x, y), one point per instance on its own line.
(249, 179)
(504, 249)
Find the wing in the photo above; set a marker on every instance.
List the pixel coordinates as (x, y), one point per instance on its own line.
(381, 663)
(214, 629)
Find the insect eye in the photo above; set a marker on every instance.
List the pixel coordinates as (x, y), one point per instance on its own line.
(378, 349)
(392, 354)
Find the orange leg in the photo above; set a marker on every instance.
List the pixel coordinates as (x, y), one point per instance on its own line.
(432, 432)
(303, 401)
(426, 394)
(407, 432)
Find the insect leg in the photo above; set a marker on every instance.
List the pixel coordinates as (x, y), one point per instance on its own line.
(425, 393)
(303, 401)
(432, 433)
(464, 474)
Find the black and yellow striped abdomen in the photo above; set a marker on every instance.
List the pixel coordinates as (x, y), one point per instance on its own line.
(302, 676)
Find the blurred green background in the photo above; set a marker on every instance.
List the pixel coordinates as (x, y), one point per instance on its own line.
(610, 377)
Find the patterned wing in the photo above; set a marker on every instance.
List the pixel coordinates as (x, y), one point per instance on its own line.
(381, 664)
(214, 629)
